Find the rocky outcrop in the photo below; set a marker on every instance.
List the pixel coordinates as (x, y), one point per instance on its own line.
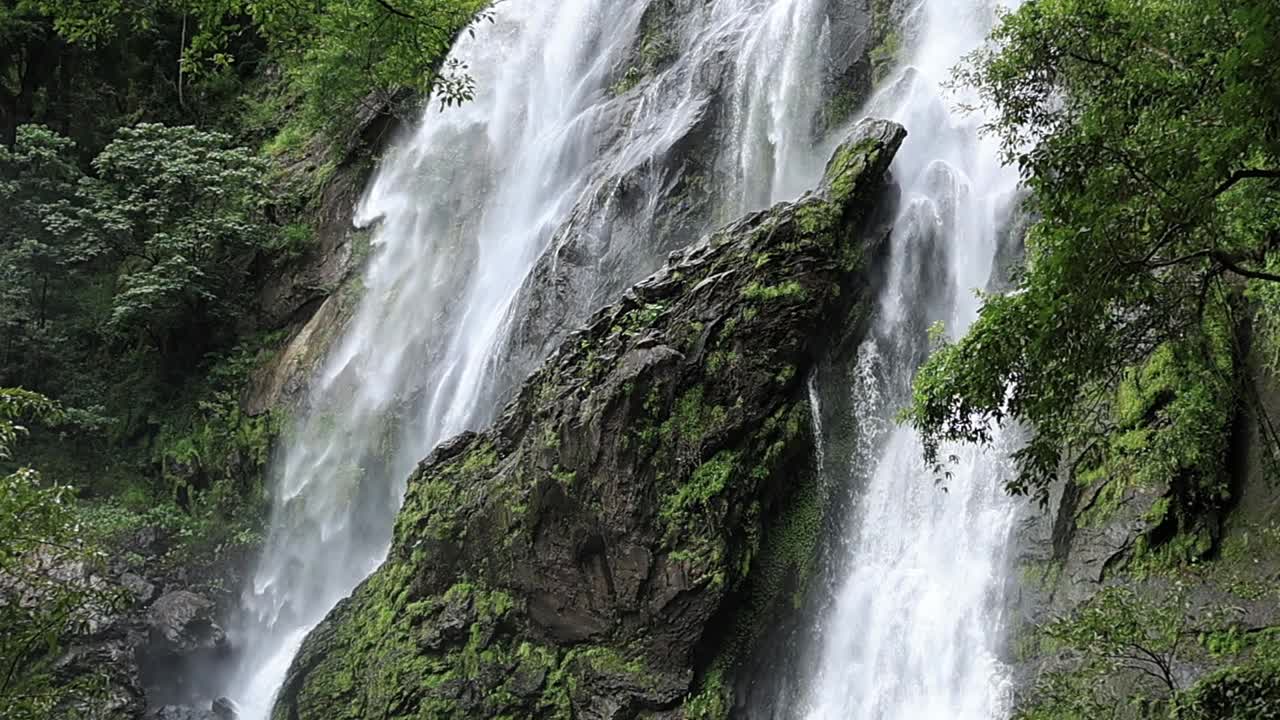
(182, 622)
(665, 178)
(220, 709)
(614, 543)
(311, 297)
(1206, 571)
(151, 636)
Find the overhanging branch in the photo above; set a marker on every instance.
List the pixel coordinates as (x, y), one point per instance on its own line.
(396, 11)
(1229, 263)
(1246, 174)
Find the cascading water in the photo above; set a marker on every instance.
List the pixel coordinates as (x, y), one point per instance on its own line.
(469, 210)
(913, 624)
(464, 207)
(503, 222)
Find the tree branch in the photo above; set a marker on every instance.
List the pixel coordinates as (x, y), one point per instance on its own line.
(396, 11)
(1246, 174)
(1096, 62)
(1229, 263)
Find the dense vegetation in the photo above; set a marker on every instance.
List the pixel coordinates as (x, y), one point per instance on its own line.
(160, 159)
(45, 565)
(86, 67)
(1148, 132)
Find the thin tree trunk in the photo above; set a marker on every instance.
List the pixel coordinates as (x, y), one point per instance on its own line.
(182, 46)
(44, 301)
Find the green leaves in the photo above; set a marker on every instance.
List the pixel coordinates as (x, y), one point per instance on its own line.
(172, 218)
(345, 57)
(1124, 646)
(92, 22)
(182, 209)
(47, 588)
(1149, 133)
(18, 405)
(38, 184)
(370, 56)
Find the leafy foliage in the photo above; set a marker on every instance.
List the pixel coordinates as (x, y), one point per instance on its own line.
(373, 56)
(343, 55)
(153, 250)
(47, 588)
(1149, 132)
(212, 456)
(1248, 692)
(182, 209)
(135, 223)
(1166, 429)
(1128, 653)
(38, 180)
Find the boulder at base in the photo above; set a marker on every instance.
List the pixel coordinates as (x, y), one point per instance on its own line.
(182, 623)
(646, 504)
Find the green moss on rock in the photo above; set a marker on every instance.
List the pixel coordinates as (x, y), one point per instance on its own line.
(583, 577)
(1171, 422)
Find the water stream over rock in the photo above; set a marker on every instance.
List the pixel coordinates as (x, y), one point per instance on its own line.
(912, 628)
(602, 137)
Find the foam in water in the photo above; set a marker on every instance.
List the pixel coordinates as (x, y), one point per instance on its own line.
(463, 208)
(914, 624)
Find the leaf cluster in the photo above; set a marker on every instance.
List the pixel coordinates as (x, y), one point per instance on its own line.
(1149, 134)
(48, 590)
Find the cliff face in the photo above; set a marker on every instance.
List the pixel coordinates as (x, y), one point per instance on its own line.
(1151, 591)
(641, 508)
(640, 206)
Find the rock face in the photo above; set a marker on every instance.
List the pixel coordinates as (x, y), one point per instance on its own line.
(1214, 577)
(640, 206)
(220, 709)
(611, 547)
(182, 623)
(139, 647)
(181, 712)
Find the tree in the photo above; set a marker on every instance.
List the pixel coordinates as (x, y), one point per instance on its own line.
(1139, 652)
(1149, 133)
(341, 54)
(25, 48)
(366, 54)
(182, 210)
(38, 185)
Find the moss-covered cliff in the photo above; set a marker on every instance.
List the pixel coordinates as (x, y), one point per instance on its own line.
(1149, 588)
(642, 506)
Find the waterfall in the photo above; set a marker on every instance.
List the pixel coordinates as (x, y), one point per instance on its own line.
(497, 226)
(912, 627)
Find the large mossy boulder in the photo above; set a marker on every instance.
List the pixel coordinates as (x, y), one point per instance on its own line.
(642, 507)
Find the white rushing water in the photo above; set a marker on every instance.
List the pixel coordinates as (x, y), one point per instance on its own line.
(461, 211)
(914, 626)
(463, 208)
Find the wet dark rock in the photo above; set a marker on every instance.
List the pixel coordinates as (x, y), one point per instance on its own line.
(305, 296)
(182, 712)
(136, 642)
(1071, 552)
(640, 207)
(110, 656)
(225, 709)
(620, 232)
(182, 623)
(142, 591)
(644, 506)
